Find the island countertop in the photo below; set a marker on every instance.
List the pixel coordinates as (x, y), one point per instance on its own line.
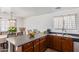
(20, 40)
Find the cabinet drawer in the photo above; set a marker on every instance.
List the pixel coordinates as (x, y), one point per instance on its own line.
(27, 45)
(30, 49)
(36, 41)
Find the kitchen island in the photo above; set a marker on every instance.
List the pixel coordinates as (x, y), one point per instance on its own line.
(19, 41)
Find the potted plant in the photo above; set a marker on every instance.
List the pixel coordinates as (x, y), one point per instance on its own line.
(32, 35)
(12, 30)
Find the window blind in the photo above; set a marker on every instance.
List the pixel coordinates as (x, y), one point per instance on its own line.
(65, 22)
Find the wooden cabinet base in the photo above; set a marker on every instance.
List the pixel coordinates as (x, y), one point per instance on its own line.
(67, 45)
(28, 50)
(58, 43)
(36, 48)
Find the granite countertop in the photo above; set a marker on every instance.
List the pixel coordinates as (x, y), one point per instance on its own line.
(3, 36)
(76, 37)
(20, 40)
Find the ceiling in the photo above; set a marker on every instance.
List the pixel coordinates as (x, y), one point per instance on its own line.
(24, 12)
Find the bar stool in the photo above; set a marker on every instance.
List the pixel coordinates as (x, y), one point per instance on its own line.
(3, 44)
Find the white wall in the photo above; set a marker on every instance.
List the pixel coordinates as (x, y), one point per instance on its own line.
(43, 22)
(19, 23)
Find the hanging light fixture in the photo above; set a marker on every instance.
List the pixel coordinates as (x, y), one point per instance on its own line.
(12, 20)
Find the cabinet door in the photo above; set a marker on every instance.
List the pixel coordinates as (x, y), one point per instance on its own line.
(36, 45)
(67, 45)
(36, 48)
(51, 42)
(42, 44)
(28, 47)
(48, 41)
(57, 43)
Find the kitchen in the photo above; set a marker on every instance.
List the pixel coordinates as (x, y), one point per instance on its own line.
(39, 29)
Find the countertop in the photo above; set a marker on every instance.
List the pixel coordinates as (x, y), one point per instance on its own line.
(70, 36)
(20, 40)
(3, 36)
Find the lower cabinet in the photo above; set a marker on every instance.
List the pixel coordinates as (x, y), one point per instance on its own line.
(58, 43)
(55, 42)
(48, 41)
(51, 42)
(67, 45)
(36, 45)
(28, 47)
(43, 43)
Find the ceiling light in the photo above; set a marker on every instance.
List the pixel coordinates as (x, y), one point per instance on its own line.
(58, 7)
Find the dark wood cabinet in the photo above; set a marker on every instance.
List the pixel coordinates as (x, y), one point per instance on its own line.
(55, 42)
(67, 44)
(51, 42)
(43, 44)
(28, 47)
(36, 45)
(48, 41)
(58, 43)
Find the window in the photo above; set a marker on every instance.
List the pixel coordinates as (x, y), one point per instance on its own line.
(69, 22)
(5, 24)
(58, 22)
(65, 22)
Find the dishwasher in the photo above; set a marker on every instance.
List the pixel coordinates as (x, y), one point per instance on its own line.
(76, 46)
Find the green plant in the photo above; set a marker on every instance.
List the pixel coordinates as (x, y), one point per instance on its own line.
(32, 35)
(12, 29)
